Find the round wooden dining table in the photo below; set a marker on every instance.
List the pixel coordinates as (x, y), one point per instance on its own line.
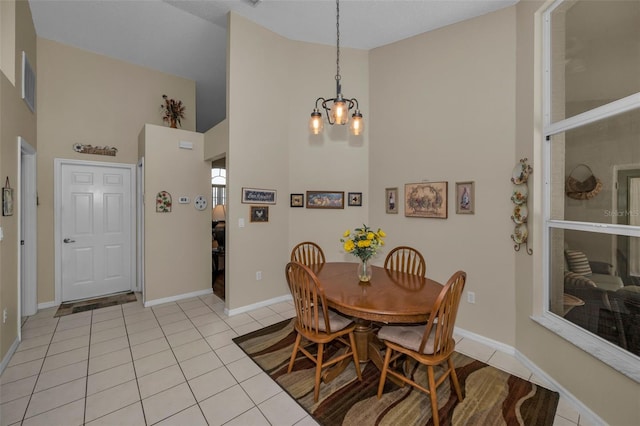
(389, 297)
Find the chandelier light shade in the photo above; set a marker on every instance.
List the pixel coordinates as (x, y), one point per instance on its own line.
(337, 109)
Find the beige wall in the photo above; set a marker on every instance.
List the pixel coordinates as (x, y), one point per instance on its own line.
(16, 119)
(462, 105)
(177, 245)
(611, 395)
(92, 99)
(270, 148)
(216, 141)
(442, 105)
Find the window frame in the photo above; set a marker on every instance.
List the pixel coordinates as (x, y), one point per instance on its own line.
(218, 190)
(610, 354)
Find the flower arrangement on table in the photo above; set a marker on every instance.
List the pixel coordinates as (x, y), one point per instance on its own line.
(364, 244)
(173, 111)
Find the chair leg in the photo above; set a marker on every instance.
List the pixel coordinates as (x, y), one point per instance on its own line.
(316, 389)
(356, 361)
(295, 352)
(454, 378)
(433, 395)
(385, 367)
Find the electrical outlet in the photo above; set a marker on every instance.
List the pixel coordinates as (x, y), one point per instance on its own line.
(4, 315)
(258, 275)
(471, 297)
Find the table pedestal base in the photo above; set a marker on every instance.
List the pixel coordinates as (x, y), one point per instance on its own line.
(368, 347)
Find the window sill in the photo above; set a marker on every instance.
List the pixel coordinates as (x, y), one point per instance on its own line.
(622, 361)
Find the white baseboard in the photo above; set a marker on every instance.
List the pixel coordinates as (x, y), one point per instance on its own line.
(7, 357)
(585, 411)
(499, 346)
(183, 296)
(262, 304)
(554, 385)
(47, 305)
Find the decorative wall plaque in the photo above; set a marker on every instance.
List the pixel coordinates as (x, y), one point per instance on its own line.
(97, 150)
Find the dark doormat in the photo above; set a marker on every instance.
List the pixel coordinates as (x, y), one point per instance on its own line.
(90, 304)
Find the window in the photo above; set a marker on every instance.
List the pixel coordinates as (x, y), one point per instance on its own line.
(218, 186)
(592, 177)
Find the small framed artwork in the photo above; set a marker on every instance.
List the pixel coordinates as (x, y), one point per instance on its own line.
(259, 214)
(426, 199)
(163, 202)
(325, 199)
(391, 200)
(297, 200)
(465, 198)
(354, 198)
(258, 196)
(7, 199)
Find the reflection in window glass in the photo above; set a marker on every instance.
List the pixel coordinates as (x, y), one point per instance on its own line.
(595, 284)
(593, 168)
(594, 55)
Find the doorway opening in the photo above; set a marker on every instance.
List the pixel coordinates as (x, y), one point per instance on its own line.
(628, 213)
(218, 226)
(28, 291)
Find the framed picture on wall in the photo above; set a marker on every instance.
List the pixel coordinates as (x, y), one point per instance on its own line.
(259, 214)
(465, 198)
(7, 201)
(391, 200)
(325, 199)
(297, 200)
(354, 199)
(426, 199)
(258, 196)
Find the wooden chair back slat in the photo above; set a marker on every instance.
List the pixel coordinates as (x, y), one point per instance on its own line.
(443, 316)
(308, 298)
(406, 259)
(308, 253)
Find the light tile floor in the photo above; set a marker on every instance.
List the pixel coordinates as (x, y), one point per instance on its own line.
(172, 364)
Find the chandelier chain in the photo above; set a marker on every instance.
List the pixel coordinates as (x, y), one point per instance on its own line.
(337, 40)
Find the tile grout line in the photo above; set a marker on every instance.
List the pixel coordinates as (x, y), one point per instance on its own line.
(180, 367)
(26, 408)
(133, 364)
(86, 382)
(212, 350)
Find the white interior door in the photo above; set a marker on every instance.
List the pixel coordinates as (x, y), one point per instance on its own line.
(96, 216)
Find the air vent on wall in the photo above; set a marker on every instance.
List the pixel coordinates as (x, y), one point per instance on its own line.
(28, 83)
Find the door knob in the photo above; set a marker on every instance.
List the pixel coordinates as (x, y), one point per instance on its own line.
(68, 240)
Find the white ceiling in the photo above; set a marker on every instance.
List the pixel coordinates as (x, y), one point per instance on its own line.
(188, 37)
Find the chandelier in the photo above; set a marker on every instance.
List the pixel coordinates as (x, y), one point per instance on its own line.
(337, 109)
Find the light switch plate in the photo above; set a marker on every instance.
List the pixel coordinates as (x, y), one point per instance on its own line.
(183, 200)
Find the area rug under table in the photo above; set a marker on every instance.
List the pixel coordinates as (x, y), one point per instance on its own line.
(491, 396)
(90, 304)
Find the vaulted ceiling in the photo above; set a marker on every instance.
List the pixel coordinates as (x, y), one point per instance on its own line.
(188, 37)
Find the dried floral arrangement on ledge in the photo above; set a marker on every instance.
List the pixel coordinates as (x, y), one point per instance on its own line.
(173, 112)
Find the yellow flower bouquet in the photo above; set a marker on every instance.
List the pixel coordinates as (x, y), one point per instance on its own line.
(363, 242)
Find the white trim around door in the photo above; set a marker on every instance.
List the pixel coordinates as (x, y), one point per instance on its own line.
(58, 196)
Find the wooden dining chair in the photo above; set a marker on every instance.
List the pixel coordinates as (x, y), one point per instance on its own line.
(316, 323)
(406, 259)
(430, 344)
(308, 253)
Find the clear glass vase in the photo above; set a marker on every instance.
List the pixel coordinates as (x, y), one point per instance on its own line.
(364, 271)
